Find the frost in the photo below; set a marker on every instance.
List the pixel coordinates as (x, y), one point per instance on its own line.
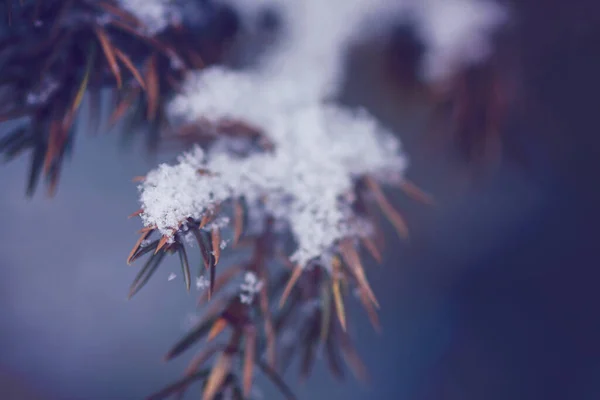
(319, 149)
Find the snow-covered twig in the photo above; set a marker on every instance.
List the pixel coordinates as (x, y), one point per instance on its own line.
(315, 181)
(320, 149)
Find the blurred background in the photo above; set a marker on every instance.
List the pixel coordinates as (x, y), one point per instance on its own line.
(495, 296)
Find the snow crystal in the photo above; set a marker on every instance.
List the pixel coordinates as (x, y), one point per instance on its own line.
(202, 282)
(250, 287)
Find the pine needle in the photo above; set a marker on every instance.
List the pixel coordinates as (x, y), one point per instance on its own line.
(185, 266)
(205, 219)
(218, 327)
(109, 54)
(138, 244)
(369, 244)
(203, 356)
(137, 213)
(266, 314)
(371, 312)
(178, 386)
(52, 148)
(276, 379)
(216, 243)
(249, 355)
(337, 294)
(395, 218)
(352, 358)
(152, 88)
(147, 228)
(352, 259)
(163, 241)
(416, 193)
(220, 369)
(217, 376)
(325, 312)
(86, 78)
(122, 108)
(290, 285)
(129, 64)
(145, 273)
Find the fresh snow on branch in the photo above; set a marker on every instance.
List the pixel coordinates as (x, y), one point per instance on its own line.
(319, 149)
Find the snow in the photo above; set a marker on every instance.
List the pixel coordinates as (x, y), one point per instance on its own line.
(250, 287)
(457, 33)
(320, 148)
(202, 283)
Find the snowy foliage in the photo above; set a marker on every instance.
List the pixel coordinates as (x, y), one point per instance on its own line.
(319, 149)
